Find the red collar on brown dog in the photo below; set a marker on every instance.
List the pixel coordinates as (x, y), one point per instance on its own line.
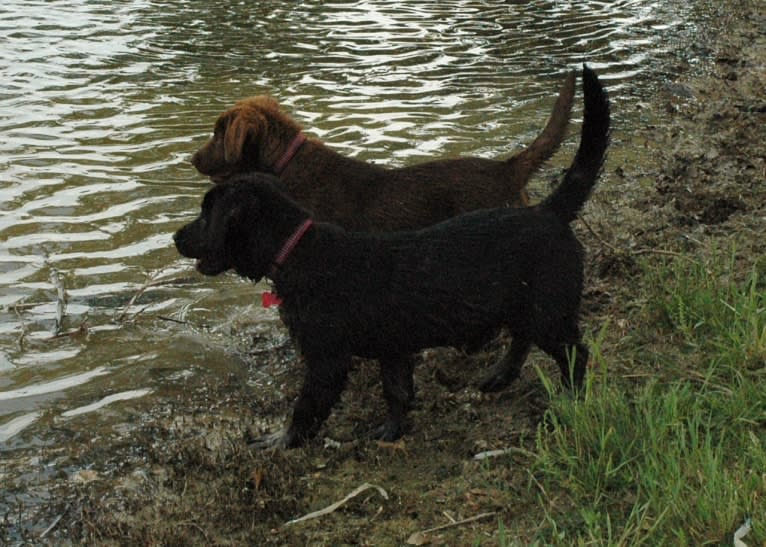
(282, 162)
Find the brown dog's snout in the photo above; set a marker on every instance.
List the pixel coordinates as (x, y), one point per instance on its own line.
(209, 160)
(197, 159)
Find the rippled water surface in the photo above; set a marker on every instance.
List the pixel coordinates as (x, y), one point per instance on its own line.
(102, 103)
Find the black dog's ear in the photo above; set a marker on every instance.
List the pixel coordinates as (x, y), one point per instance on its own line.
(225, 214)
(216, 229)
(231, 220)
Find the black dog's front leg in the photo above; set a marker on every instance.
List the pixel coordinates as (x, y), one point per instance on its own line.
(323, 384)
(399, 392)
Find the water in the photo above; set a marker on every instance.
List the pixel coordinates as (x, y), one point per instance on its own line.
(103, 102)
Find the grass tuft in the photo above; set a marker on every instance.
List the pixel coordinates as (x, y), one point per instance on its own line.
(678, 459)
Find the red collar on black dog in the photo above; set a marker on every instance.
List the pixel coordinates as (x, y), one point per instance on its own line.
(282, 162)
(269, 299)
(291, 242)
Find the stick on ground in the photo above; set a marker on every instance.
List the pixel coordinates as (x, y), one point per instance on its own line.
(337, 504)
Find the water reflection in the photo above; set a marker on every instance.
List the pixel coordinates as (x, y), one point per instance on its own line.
(103, 102)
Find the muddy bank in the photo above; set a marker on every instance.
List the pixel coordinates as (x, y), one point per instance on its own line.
(687, 178)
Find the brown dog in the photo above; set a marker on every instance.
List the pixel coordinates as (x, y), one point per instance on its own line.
(256, 136)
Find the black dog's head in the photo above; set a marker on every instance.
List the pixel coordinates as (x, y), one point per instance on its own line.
(242, 226)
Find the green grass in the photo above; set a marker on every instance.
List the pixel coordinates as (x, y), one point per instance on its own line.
(678, 459)
(713, 313)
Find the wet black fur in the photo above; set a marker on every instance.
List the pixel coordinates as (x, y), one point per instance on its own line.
(387, 296)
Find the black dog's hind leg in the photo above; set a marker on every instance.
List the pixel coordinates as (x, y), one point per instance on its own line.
(399, 392)
(508, 368)
(323, 384)
(408, 362)
(563, 354)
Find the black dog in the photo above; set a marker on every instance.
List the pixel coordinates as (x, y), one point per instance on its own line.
(386, 296)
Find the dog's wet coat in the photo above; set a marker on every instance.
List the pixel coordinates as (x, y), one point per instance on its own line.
(386, 296)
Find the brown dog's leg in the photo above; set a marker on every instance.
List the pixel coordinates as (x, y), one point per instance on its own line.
(399, 391)
(508, 368)
(323, 384)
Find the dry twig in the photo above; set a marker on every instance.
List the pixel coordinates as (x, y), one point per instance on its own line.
(636, 252)
(54, 523)
(337, 504)
(154, 282)
(418, 538)
(61, 299)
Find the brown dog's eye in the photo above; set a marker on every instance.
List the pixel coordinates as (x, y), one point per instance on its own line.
(220, 127)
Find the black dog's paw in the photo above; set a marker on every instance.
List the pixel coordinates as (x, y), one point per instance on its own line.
(388, 432)
(497, 381)
(282, 439)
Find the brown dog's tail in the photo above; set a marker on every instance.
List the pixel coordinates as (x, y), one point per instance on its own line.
(567, 200)
(547, 142)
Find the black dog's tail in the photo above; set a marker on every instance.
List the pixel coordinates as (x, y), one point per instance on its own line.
(567, 200)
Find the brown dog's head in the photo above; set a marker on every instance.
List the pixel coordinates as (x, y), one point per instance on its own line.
(248, 137)
(242, 226)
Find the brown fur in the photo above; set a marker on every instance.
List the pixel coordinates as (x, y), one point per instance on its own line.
(255, 133)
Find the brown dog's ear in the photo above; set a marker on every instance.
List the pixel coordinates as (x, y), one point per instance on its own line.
(243, 126)
(234, 139)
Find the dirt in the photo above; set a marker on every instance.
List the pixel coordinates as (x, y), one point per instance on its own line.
(688, 177)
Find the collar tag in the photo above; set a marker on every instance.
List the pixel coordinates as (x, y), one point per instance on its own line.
(270, 299)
